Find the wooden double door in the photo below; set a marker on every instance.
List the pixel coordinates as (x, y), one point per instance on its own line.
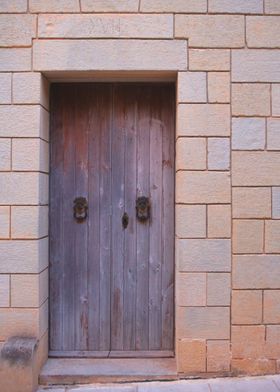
(112, 220)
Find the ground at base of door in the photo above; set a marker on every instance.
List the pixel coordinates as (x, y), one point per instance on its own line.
(244, 384)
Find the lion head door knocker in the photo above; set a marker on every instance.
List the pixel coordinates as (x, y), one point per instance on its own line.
(143, 208)
(80, 209)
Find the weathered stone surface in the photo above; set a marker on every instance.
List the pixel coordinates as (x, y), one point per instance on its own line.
(209, 59)
(29, 291)
(30, 87)
(218, 356)
(246, 307)
(218, 153)
(254, 367)
(109, 5)
(106, 26)
(248, 341)
(23, 256)
(5, 223)
(85, 55)
(272, 236)
(5, 88)
(219, 87)
(13, 6)
(17, 30)
(276, 202)
(251, 202)
(203, 255)
(54, 6)
(276, 99)
(271, 306)
(248, 133)
(247, 236)
(20, 121)
(272, 6)
(255, 168)
(273, 134)
(30, 155)
(203, 187)
(256, 272)
(15, 59)
(236, 6)
(192, 356)
(174, 6)
(203, 322)
(192, 87)
(5, 154)
(263, 31)
(29, 222)
(23, 188)
(211, 31)
(4, 290)
(191, 289)
(219, 221)
(203, 120)
(191, 153)
(191, 221)
(251, 99)
(218, 289)
(256, 65)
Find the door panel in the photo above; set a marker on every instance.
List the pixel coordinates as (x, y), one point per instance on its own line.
(112, 288)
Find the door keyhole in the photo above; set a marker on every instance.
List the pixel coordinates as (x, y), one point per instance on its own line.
(125, 220)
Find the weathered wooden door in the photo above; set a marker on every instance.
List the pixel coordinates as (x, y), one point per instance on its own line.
(111, 262)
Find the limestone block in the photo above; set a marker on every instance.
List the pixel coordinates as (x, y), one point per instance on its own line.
(255, 168)
(219, 221)
(276, 99)
(246, 307)
(19, 257)
(110, 55)
(20, 121)
(209, 59)
(106, 26)
(203, 120)
(272, 7)
(273, 134)
(219, 87)
(272, 236)
(30, 155)
(218, 356)
(251, 202)
(263, 31)
(248, 133)
(13, 6)
(30, 87)
(192, 87)
(29, 291)
(276, 202)
(256, 272)
(54, 6)
(204, 255)
(191, 153)
(218, 289)
(271, 306)
(236, 6)
(203, 322)
(218, 153)
(29, 222)
(191, 356)
(176, 6)
(15, 59)
(247, 236)
(253, 366)
(109, 5)
(17, 30)
(4, 223)
(248, 341)
(5, 88)
(203, 187)
(256, 65)
(4, 291)
(211, 31)
(251, 99)
(191, 221)
(5, 154)
(191, 289)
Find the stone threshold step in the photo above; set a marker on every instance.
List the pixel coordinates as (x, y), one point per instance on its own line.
(67, 371)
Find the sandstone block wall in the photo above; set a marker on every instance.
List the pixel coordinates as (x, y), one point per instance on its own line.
(225, 55)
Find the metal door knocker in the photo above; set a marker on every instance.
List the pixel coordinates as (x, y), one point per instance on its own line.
(80, 209)
(143, 208)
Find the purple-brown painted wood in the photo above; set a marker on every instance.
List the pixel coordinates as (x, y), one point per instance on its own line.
(112, 288)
